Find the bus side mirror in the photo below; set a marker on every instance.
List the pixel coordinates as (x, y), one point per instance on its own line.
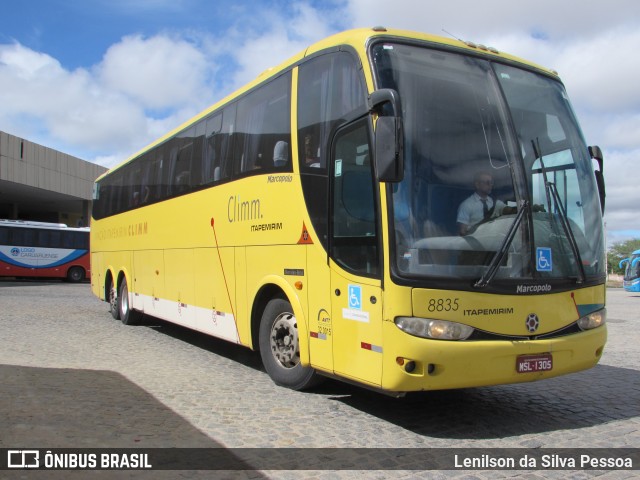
(389, 149)
(596, 154)
(622, 262)
(389, 155)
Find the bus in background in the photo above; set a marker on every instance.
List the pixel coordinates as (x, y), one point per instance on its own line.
(312, 215)
(43, 250)
(631, 280)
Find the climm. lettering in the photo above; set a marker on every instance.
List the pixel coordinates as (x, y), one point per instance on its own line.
(138, 229)
(239, 210)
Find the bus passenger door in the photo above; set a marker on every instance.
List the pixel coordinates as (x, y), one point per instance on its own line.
(357, 327)
(355, 256)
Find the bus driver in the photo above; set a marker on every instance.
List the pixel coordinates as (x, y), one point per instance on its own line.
(479, 206)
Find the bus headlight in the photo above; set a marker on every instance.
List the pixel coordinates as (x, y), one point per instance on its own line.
(436, 329)
(593, 320)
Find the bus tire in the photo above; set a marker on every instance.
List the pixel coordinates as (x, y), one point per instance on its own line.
(112, 293)
(75, 274)
(280, 348)
(128, 315)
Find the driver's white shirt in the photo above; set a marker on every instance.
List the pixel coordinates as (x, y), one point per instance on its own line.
(471, 212)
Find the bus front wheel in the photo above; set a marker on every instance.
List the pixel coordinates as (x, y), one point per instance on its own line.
(280, 348)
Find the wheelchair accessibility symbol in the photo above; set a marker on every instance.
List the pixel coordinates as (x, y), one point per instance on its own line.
(544, 262)
(355, 297)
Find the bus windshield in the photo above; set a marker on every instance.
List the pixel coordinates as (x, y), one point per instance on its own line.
(498, 183)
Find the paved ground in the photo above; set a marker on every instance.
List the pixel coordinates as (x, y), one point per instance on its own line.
(72, 377)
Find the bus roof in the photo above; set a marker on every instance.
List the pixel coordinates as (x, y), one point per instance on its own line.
(356, 38)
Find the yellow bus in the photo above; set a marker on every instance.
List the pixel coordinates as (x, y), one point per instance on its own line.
(324, 215)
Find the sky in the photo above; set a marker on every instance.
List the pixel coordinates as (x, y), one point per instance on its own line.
(100, 79)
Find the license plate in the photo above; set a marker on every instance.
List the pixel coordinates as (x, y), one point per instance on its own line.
(542, 362)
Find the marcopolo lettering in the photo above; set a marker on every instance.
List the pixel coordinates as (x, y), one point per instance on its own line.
(280, 179)
(533, 288)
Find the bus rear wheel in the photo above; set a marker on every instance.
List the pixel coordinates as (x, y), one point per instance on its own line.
(113, 301)
(128, 316)
(75, 274)
(280, 348)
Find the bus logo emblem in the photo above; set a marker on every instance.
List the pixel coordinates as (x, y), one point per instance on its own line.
(544, 262)
(532, 322)
(15, 252)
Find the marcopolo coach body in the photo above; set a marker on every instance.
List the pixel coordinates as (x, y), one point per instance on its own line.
(400, 210)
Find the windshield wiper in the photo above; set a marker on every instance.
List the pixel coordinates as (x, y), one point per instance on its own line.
(502, 251)
(564, 221)
(552, 191)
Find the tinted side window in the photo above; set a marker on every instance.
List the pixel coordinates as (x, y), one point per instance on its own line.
(257, 139)
(149, 191)
(329, 87)
(115, 193)
(99, 200)
(55, 238)
(263, 120)
(179, 178)
(218, 146)
(212, 148)
(70, 240)
(132, 182)
(76, 240)
(24, 237)
(197, 156)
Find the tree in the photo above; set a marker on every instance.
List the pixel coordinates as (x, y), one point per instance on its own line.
(619, 251)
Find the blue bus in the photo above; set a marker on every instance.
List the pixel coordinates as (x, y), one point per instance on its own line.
(632, 272)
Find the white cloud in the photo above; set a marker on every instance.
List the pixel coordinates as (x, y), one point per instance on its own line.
(601, 70)
(479, 21)
(143, 88)
(256, 48)
(622, 131)
(28, 78)
(71, 105)
(26, 64)
(109, 161)
(599, 77)
(159, 72)
(621, 213)
(621, 183)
